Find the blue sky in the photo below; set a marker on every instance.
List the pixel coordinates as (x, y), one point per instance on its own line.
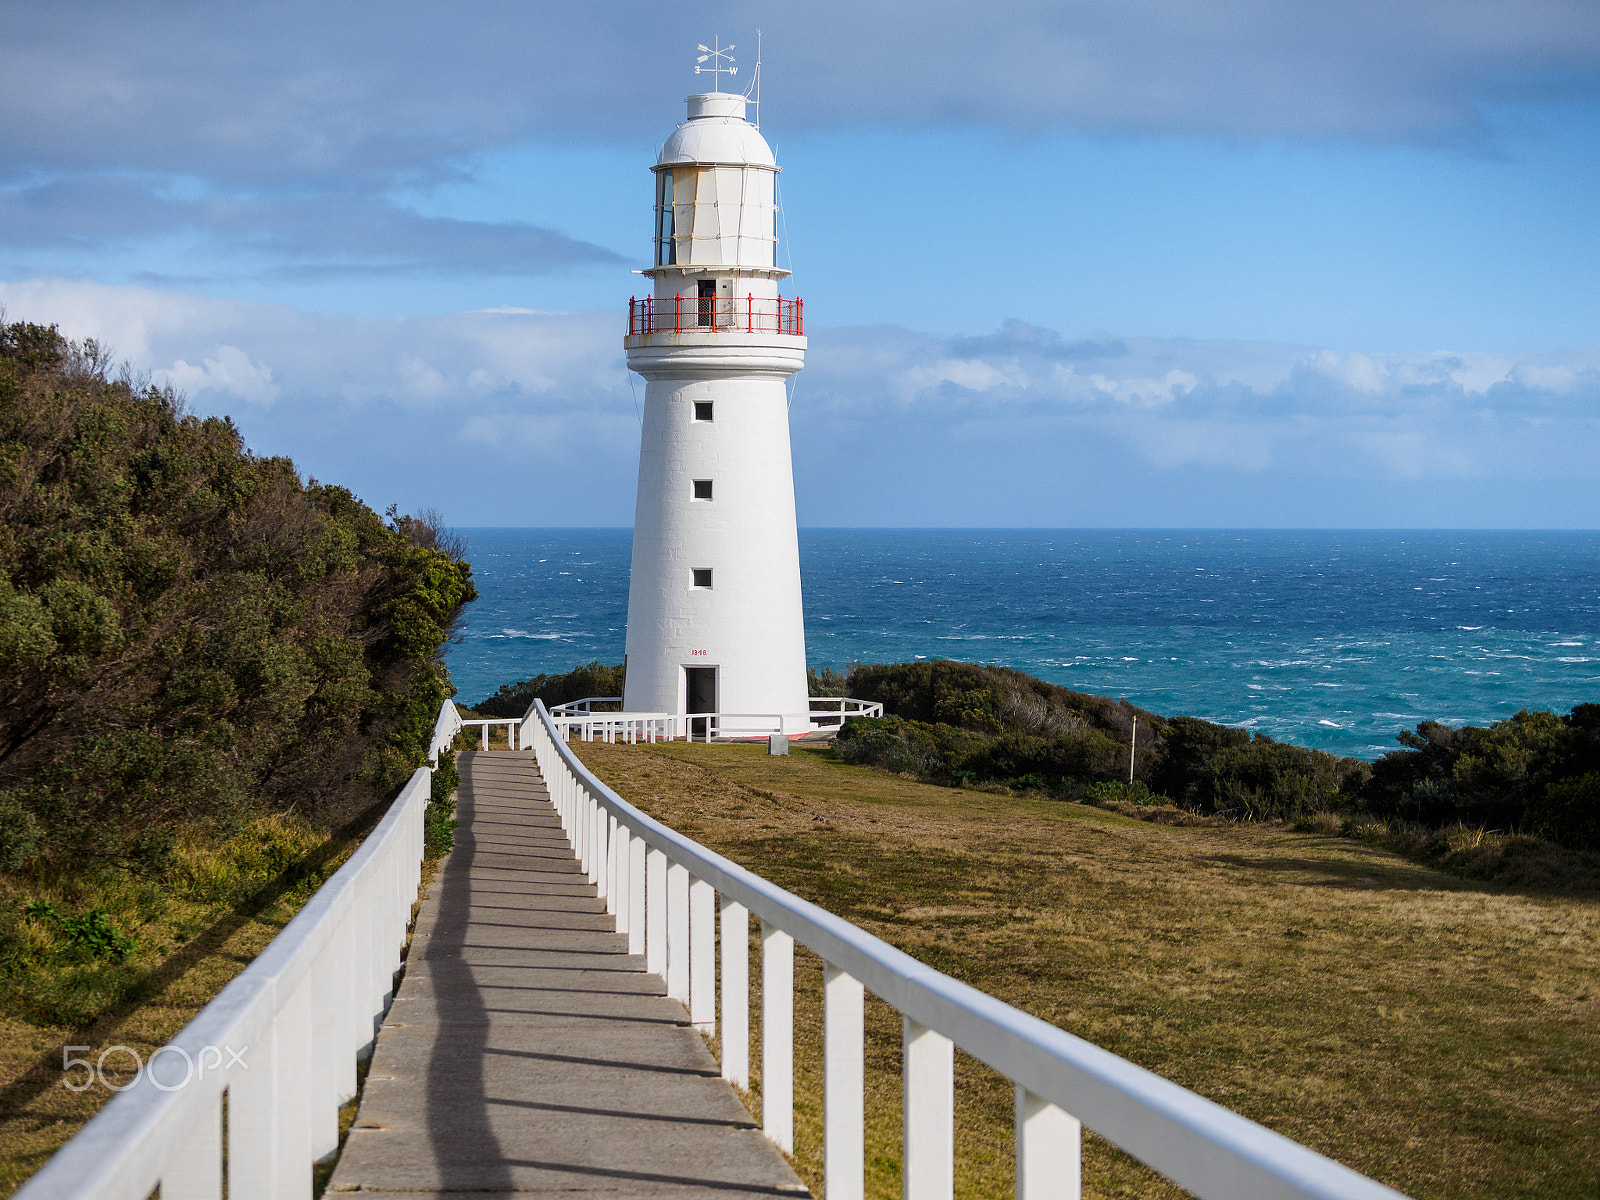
(1229, 263)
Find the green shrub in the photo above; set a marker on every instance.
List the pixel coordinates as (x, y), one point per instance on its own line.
(961, 723)
(825, 681)
(189, 634)
(1535, 772)
(1120, 791)
(1214, 769)
(439, 822)
(91, 932)
(515, 699)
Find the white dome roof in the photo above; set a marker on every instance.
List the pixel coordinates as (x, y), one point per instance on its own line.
(716, 132)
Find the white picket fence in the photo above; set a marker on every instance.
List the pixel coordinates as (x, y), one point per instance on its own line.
(668, 892)
(580, 716)
(281, 1040)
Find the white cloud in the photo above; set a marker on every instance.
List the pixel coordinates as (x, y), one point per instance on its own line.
(230, 372)
(1246, 407)
(528, 418)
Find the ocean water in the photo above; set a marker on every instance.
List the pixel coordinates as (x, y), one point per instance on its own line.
(1332, 639)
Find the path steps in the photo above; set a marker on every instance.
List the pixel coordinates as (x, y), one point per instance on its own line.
(527, 1051)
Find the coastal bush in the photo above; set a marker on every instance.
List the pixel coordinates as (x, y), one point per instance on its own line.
(1535, 772)
(961, 723)
(1119, 792)
(966, 724)
(1215, 769)
(825, 681)
(191, 636)
(998, 699)
(514, 699)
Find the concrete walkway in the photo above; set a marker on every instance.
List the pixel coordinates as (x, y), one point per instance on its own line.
(527, 1051)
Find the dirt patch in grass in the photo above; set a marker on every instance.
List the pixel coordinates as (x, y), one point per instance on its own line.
(1436, 1033)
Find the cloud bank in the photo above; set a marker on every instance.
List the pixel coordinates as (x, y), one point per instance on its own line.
(403, 89)
(514, 417)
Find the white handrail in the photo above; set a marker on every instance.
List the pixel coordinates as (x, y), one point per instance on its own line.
(584, 705)
(445, 727)
(511, 724)
(282, 1039)
(644, 870)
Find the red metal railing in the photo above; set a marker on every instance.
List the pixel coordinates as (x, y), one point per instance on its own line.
(695, 314)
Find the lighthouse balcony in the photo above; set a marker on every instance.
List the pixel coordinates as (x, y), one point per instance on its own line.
(708, 314)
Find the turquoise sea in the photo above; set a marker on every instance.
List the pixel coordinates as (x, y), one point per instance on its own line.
(1333, 639)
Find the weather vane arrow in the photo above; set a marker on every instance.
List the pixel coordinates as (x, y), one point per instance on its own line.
(715, 53)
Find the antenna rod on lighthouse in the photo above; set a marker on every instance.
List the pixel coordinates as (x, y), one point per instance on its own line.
(756, 83)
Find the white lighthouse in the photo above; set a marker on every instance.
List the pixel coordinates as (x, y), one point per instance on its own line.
(714, 617)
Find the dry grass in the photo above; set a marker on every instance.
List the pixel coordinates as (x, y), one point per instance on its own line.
(1437, 1034)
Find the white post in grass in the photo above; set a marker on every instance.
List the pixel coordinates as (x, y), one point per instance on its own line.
(843, 1081)
(1133, 743)
(777, 1037)
(1049, 1150)
(678, 932)
(928, 1157)
(703, 956)
(735, 994)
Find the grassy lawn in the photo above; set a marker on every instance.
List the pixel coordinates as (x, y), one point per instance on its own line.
(1440, 1035)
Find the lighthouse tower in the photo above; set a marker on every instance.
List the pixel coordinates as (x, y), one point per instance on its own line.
(714, 617)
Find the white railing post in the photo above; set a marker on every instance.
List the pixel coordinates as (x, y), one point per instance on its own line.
(678, 932)
(735, 994)
(1049, 1150)
(655, 890)
(777, 1037)
(327, 980)
(843, 1084)
(196, 1172)
(293, 1067)
(587, 802)
(600, 852)
(702, 956)
(377, 959)
(252, 1127)
(612, 844)
(927, 1169)
(636, 855)
(574, 821)
(358, 985)
(622, 894)
(347, 951)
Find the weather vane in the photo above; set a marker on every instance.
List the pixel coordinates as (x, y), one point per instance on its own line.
(716, 52)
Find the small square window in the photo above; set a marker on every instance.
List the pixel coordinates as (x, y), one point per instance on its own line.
(702, 489)
(702, 410)
(702, 577)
